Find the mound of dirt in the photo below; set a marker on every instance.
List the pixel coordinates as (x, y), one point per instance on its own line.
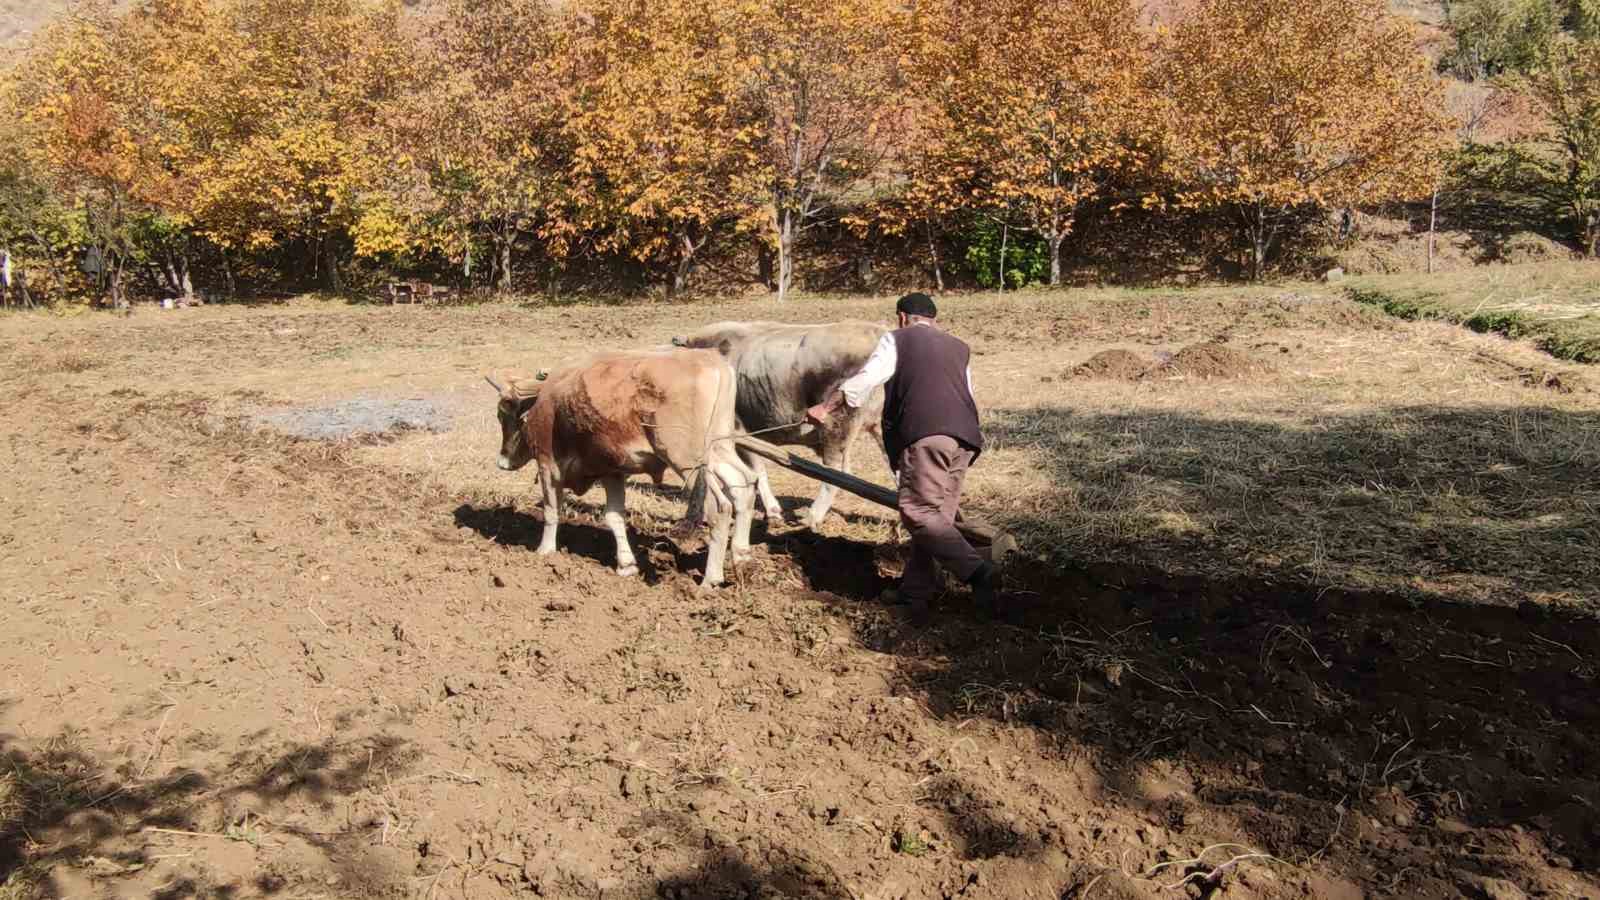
(1210, 360)
(1111, 365)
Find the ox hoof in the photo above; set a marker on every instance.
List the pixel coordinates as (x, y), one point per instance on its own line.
(545, 551)
(774, 513)
(628, 571)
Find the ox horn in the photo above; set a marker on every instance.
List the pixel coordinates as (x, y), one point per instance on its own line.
(502, 391)
(679, 342)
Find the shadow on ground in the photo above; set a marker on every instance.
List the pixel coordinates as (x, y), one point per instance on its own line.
(1413, 743)
(59, 806)
(1492, 502)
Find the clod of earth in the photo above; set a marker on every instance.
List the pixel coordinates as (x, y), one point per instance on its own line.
(1111, 365)
(1210, 360)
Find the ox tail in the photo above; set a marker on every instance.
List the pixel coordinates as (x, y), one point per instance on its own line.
(699, 485)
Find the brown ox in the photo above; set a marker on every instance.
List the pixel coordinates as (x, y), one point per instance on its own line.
(631, 412)
(783, 369)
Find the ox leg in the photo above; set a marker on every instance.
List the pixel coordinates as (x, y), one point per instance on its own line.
(717, 546)
(617, 520)
(769, 501)
(743, 495)
(835, 455)
(731, 522)
(552, 513)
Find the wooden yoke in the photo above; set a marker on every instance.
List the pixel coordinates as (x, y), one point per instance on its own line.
(994, 543)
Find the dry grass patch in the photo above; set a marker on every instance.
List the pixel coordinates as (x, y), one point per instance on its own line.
(1556, 305)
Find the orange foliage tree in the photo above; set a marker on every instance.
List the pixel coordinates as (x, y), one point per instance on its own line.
(1280, 105)
(478, 141)
(1031, 107)
(87, 115)
(825, 79)
(665, 141)
(274, 103)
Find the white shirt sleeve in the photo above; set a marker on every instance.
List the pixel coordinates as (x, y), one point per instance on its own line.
(878, 369)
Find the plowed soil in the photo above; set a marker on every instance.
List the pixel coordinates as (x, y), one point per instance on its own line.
(243, 664)
(1115, 365)
(1210, 360)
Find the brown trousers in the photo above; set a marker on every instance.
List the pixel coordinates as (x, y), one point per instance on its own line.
(931, 473)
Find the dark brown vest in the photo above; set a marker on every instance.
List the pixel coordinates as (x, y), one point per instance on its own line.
(928, 394)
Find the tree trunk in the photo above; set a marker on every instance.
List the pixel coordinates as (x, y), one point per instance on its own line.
(765, 266)
(1055, 239)
(58, 281)
(687, 248)
(1256, 229)
(933, 253)
(331, 279)
(1591, 234)
(502, 248)
(22, 288)
(786, 227)
(119, 299)
(169, 274)
(1433, 220)
(227, 275)
(1005, 235)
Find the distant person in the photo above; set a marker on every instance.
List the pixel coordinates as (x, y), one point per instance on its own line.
(930, 430)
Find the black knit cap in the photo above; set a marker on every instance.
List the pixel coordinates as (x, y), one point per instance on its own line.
(917, 305)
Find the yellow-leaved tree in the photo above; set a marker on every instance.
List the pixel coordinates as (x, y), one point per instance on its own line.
(86, 115)
(275, 145)
(1032, 108)
(1275, 106)
(478, 141)
(666, 144)
(825, 79)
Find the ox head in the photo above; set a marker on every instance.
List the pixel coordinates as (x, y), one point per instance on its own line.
(517, 395)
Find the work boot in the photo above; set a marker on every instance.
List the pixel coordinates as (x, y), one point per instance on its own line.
(920, 611)
(985, 585)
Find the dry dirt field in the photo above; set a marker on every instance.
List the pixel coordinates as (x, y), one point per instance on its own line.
(1309, 612)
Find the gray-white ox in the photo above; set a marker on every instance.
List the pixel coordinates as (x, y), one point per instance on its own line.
(617, 414)
(782, 371)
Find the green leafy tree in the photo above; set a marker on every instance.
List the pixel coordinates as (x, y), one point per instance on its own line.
(1565, 86)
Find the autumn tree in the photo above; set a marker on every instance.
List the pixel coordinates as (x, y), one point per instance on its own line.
(665, 138)
(480, 141)
(1281, 105)
(281, 97)
(33, 222)
(85, 112)
(825, 79)
(1035, 106)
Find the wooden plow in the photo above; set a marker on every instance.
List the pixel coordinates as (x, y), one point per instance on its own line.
(994, 543)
